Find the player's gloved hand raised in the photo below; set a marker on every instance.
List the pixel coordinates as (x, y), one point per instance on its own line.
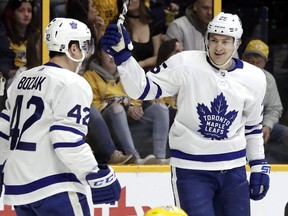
(104, 185)
(116, 42)
(259, 179)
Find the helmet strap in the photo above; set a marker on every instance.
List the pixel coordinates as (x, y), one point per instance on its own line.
(79, 61)
(228, 60)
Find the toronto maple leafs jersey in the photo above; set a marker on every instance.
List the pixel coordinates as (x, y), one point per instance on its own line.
(46, 119)
(219, 112)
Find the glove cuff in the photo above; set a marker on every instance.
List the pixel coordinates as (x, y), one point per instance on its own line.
(257, 162)
(123, 56)
(260, 166)
(103, 178)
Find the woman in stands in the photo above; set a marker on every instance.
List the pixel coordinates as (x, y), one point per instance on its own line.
(15, 27)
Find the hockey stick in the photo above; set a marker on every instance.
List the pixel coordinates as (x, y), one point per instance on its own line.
(121, 19)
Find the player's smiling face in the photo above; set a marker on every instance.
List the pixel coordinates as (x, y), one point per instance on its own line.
(221, 48)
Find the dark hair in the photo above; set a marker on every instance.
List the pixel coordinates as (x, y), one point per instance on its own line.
(165, 50)
(77, 9)
(32, 57)
(9, 22)
(55, 53)
(14, 4)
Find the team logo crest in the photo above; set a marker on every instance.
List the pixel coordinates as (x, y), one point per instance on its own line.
(73, 25)
(215, 122)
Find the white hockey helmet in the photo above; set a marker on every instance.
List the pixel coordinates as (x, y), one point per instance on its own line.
(226, 24)
(61, 31)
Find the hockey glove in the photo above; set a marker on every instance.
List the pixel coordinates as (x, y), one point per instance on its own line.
(104, 185)
(259, 179)
(1, 178)
(115, 42)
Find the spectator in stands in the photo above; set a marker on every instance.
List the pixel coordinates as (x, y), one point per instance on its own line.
(33, 54)
(145, 33)
(167, 49)
(190, 29)
(101, 142)
(113, 103)
(165, 11)
(107, 9)
(147, 120)
(146, 39)
(275, 134)
(156, 10)
(171, 12)
(86, 12)
(183, 5)
(16, 25)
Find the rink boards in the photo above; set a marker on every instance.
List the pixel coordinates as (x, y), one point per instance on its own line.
(145, 187)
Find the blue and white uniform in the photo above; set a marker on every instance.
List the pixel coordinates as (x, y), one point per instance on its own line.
(216, 126)
(46, 117)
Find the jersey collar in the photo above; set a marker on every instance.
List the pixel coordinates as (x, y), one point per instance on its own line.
(238, 64)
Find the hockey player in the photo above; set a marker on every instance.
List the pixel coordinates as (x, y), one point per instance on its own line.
(217, 127)
(47, 163)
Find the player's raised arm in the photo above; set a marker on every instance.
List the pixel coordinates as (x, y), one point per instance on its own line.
(159, 82)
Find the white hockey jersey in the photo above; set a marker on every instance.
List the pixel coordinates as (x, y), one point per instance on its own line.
(46, 119)
(217, 124)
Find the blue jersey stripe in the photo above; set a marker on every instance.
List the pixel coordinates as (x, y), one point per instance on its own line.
(209, 158)
(159, 91)
(259, 131)
(4, 136)
(146, 90)
(66, 128)
(4, 116)
(26, 146)
(68, 144)
(39, 184)
(249, 127)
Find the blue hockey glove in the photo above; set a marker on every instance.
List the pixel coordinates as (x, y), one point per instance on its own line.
(104, 185)
(259, 179)
(116, 42)
(1, 178)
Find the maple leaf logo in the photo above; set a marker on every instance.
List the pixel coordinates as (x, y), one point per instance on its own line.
(215, 123)
(73, 25)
